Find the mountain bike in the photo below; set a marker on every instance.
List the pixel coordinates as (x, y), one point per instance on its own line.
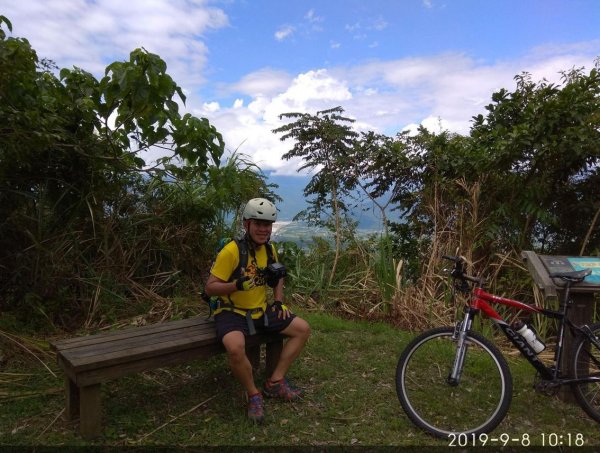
(453, 380)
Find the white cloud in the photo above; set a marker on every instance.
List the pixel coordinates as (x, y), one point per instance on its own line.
(312, 17)
(439, 92)
(249, 130)
(284, 32)
(211, 107)
(263, 82)
(91, 35)
(379, 24)
(383, 95)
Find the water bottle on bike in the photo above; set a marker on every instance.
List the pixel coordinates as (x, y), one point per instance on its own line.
(529, 335)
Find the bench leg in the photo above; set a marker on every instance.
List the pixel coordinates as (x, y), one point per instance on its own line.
(72, 400)
(253, 354)
(90, 408)
(273, 351)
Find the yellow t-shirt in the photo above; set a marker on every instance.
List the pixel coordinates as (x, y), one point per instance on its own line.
(227, 261)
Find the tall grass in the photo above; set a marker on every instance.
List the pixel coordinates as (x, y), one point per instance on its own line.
(370, 281)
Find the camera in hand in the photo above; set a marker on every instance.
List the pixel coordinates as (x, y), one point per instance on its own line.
(273, 273)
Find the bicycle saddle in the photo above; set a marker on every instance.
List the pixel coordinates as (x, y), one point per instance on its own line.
(572, 276)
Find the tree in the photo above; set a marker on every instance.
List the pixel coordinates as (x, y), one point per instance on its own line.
(421, 173)
(541, 153)
(324, 142)
(365, 165)
(75, 194)
(226, 189)
(527, 177)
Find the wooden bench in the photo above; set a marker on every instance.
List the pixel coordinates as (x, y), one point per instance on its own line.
(91, 360)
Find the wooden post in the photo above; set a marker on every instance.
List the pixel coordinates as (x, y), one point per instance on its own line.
(580, 313)
(90, 422)
(72, 400)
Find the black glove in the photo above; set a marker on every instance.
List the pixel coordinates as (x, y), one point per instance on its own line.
(244, 283)
(284, 311)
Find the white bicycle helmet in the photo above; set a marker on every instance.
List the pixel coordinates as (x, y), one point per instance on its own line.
(260, 209)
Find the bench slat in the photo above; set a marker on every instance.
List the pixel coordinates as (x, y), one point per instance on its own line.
(125, 343)
(107, 373)
(138, 352)
(129, 332)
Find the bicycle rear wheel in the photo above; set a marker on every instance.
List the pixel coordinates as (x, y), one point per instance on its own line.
(477, 404)
(586, 362)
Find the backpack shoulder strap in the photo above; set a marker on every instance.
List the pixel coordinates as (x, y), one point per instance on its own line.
(243, 261)
(242, 246)
(270, 254)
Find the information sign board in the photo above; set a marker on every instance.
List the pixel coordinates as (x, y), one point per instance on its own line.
(571, 263)
(592, 263)
(541, 266)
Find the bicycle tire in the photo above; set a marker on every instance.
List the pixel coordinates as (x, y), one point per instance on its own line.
(587, 394)
(476, 405)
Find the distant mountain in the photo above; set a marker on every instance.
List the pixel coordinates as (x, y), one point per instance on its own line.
(291, 189)
(303, 234)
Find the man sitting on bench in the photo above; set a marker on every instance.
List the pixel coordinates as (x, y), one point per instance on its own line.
(243, 307)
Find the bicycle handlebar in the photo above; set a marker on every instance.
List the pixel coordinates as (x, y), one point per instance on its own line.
(459, 269)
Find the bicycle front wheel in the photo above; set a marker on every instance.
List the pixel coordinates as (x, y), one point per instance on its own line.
(476, 404)
(586, 362)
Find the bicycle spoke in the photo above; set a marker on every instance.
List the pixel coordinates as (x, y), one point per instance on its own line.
(586, 363)
(478, 402)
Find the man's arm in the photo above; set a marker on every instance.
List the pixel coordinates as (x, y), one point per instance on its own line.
(278, 298)
(217, 287)
(278, 291)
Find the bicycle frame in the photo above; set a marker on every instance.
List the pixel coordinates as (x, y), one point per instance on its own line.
(480, 302)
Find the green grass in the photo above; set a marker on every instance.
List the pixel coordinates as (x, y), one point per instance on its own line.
(347, 371)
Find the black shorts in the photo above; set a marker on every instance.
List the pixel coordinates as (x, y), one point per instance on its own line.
(228, 321)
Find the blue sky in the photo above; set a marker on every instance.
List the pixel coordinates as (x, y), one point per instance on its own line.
(392, 65)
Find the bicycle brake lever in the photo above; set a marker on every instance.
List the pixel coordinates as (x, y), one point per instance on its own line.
(457, 273)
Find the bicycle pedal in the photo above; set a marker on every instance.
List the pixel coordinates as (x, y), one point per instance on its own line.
(546, 387)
